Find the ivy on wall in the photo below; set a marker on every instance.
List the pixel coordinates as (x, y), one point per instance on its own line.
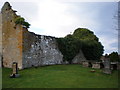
(20, 20)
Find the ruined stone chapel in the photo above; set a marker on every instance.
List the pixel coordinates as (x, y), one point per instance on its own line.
(28, 49)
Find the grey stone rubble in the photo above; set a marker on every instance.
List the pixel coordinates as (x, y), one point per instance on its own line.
(79, 58)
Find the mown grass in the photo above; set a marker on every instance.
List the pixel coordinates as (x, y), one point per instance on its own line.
(60, 76)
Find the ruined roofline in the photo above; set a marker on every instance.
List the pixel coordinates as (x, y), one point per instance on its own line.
(39, 35)
(6, 6)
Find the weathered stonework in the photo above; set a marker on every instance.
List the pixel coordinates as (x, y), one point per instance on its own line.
(96, 65)
(85, 64)
(0, 39)
(107, 69)
(11, 37)
(79, 58)
(40, 50)
(26, 48)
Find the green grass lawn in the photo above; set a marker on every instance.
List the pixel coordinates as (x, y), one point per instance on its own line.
(60, 76)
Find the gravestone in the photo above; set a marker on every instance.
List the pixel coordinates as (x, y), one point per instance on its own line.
(85, 64)
(96, 65)
(15, 70)
(107, 69)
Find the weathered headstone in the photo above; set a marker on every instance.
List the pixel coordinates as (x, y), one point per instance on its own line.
(85, 64)
(15, 70)
(96, 65)
(107, 69)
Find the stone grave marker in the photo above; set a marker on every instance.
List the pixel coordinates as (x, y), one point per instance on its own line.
(96, 65)
(106, 68)
(85, 64)
(15, 70)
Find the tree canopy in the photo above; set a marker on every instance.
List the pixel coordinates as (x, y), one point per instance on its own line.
(84, 39)
(85, 34)
(114, 57)
(91, 47)
(69, 46)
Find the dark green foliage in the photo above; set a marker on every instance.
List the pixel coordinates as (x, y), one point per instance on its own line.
(81, 39)
(91, 46)
(69, 47)
(26, 24)
(92, 50)
(114, 57)
(84, 34)
(21, 20)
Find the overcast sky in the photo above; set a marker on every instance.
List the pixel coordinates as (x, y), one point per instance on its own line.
(61, 17)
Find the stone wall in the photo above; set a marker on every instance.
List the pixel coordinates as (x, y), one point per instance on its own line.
(39, 50)
(26, 48)
(11, 37)
(0, 39)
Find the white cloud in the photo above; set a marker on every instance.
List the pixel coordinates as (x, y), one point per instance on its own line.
(57, 19)
(107, 41)
(53, 18)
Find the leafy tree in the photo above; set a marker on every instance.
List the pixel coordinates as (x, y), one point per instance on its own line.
(69, 47)
(114, 56)
(85, 34)
(21, 20)
(92, 50)
(84, 39)
(91, 46)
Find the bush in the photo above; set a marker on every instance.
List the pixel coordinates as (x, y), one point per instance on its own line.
(21, 21)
